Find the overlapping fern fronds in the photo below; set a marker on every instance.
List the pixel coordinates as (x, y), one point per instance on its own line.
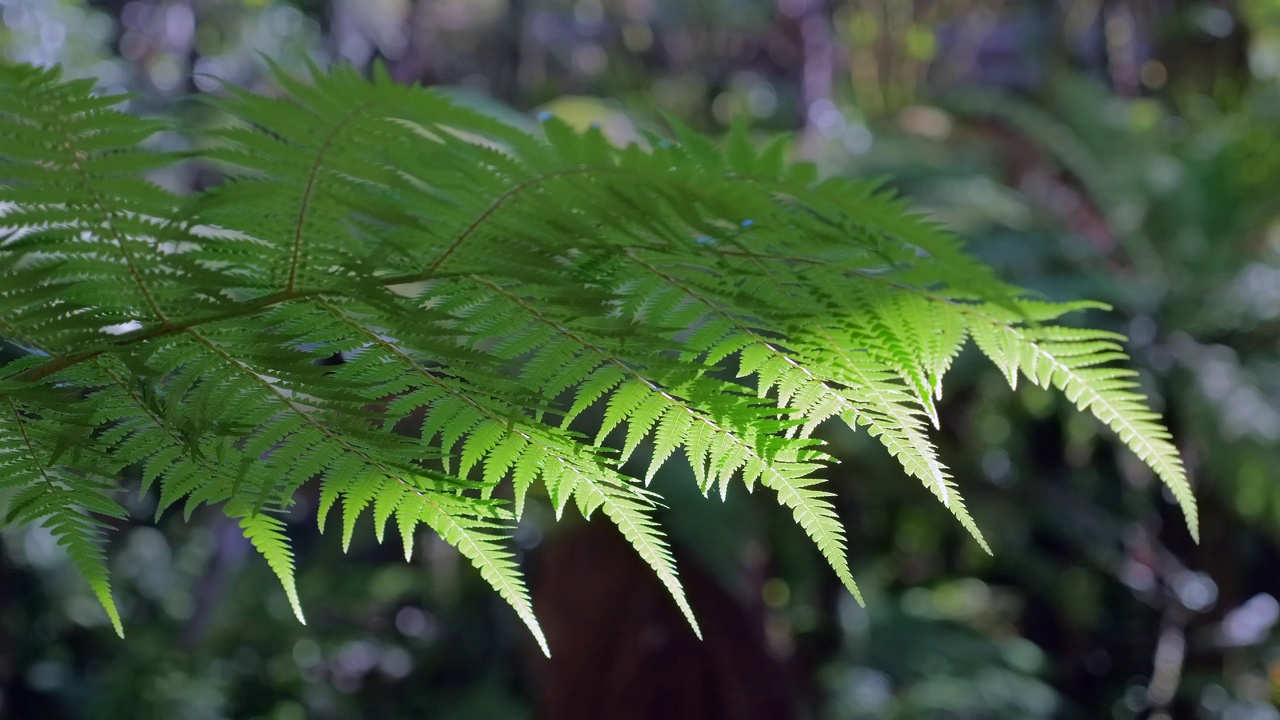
(517, 315)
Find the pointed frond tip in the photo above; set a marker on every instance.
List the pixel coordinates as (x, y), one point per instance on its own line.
(267, 535)
(1081, 364)
(427, 309)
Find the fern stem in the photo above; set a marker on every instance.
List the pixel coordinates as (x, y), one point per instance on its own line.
(937, 475)
(605, 490)
(755, 337)
(497, 204)
(309, 189)
(608, 357)
(808, 512)
(160, 424)
(57, 364)
(26, 440)
(307, 418)
(77, 160)
(408, 362)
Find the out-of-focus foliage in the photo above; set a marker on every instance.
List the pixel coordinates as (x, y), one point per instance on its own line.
(1142, 172)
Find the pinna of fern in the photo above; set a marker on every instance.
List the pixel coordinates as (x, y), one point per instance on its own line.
(519, 316)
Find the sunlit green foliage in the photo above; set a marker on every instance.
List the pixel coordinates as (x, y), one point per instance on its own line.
(515, 314)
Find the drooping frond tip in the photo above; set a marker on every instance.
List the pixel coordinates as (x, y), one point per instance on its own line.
(424, 309)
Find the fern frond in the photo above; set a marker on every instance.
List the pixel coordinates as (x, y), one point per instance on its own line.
(1081, 363)
(62, 502)
(421, 309)
(474, 539)
(267, 535)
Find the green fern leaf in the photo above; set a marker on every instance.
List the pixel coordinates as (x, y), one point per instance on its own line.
(62, 502)
(414, 305)
(268, 537)
(474, 540)
(1080, 363)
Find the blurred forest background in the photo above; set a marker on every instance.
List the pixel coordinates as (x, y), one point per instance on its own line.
(1122, 150)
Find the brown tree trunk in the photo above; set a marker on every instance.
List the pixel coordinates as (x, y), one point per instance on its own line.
(623, 651)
